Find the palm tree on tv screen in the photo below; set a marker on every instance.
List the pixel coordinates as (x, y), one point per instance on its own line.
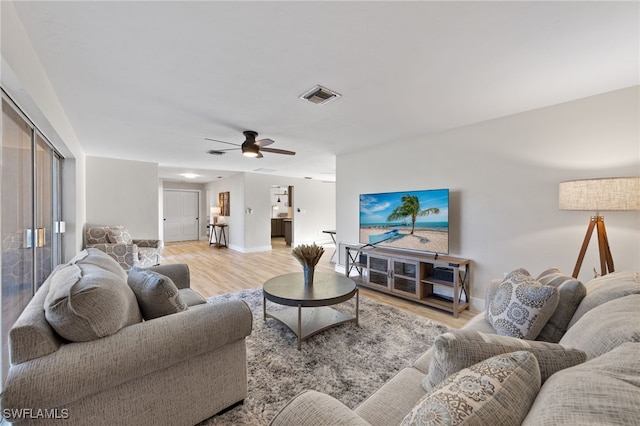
(410, 207)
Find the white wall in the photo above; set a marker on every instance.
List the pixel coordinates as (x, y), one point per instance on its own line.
(236, 226)
(250, 232)
(314, 211)
(123, 192)
(25, 80)
(503, 176)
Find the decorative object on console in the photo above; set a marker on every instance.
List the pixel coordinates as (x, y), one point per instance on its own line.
(308, 256)
(215, 212)
(602, 194)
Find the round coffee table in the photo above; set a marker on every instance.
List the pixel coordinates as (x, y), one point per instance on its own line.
(327, 289)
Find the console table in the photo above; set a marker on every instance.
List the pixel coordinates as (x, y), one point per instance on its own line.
(218, 234)
(413, 276)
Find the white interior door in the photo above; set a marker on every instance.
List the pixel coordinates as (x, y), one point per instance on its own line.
(181, 215)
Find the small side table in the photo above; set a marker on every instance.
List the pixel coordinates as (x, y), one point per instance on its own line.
(217, 237)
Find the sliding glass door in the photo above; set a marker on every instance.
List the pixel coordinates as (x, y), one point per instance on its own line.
(30, 196)
(17, 221)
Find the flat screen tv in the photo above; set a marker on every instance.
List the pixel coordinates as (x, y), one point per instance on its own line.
(409, 220)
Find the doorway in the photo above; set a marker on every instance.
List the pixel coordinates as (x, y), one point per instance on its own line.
(281, 215)
(181, 215)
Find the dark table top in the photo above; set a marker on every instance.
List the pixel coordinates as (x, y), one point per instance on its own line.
(328, 288)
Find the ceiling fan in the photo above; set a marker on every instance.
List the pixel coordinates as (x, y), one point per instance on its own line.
(250, 147)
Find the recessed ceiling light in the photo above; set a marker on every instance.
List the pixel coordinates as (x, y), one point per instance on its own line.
(189, 175)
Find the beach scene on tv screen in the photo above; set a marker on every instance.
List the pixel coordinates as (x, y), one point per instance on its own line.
(412, 220)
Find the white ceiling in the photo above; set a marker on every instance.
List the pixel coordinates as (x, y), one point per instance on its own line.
(148, 81)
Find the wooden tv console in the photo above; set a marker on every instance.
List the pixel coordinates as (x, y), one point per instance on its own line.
(411, 275)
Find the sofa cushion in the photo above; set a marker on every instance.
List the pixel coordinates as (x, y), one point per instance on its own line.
(606, 327)
(157, 295)
(571, 292)
(521, 306)
(191, 297)
(608, 287)
(605, 390)
(499, 390)
(391, 403)
(119, 234)
(96, 257)
(86, 302)
(460, 349)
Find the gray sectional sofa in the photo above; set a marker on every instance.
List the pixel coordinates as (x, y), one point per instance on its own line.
(99, 346)
(589, 367)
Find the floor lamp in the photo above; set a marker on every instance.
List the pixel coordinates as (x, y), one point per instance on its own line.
(604, 194)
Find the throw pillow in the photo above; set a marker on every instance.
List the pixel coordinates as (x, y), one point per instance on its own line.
(571, 292)
(157, 294)
(119, 235)
(460, 349)
(605, 288)
(521, 306)
(86, 302)
(96, 257)
(606, 327)
(603, 391)
(497, 391)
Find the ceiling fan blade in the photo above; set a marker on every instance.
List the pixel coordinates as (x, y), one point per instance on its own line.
(264, 142)
(228, 143)
(227, 149)
(278, 151)
(259, 155)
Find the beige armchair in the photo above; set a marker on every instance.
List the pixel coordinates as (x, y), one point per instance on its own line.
(128, 252)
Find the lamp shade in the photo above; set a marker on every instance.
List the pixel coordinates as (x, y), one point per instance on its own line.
(603, 194)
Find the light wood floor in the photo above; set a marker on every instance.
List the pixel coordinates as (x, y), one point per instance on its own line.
(217, 271)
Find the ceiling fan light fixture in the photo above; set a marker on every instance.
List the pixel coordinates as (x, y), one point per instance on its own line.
(250, 151)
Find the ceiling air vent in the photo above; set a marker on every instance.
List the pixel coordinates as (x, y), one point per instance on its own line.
(319, 95)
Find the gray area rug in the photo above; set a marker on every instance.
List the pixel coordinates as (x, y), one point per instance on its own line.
(348, 362)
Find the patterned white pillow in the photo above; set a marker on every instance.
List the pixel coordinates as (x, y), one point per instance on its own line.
(497, 391)
(119, 235)
(521, 306)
